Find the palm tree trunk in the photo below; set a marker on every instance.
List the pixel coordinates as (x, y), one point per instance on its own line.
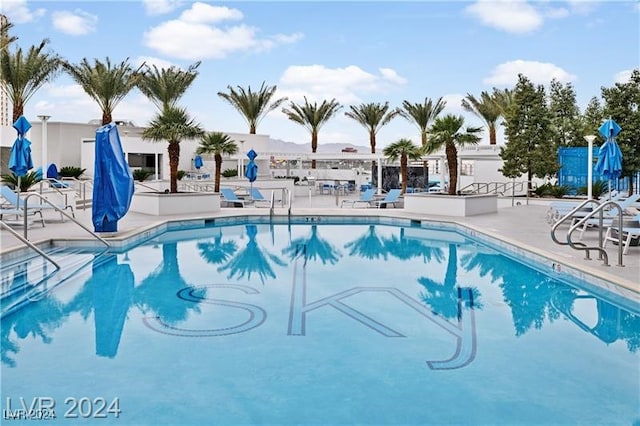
(252, 129)
(403, 172)
(452, 163)
(216, 183)
(492, 134)
(18, 110)
(174, 158)
(314, 146)
(372, 142)
(106, 118)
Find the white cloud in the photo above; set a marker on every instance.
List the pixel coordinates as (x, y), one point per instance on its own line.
(347, 85)
(18, 12)
(77, 22)
(556, 12)
(160, 7)
(193, 37)
(622, 76)
(506, 74)
(513, 16)
(205, 13)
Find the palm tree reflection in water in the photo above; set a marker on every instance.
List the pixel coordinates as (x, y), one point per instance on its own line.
(252, 260)
(218, 251)
(369, 246)
(314, 248)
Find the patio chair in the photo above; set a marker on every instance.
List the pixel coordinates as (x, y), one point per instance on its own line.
(230, 197)
(609, 217)
(18, 213)
(392, 197)
(366, 197)
(630, 232)
(18, 203)
(258, 198)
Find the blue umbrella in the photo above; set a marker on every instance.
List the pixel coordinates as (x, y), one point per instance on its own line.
(609, 163)
(197, 162)
(112, 181)
(20, 161)
(251, 172)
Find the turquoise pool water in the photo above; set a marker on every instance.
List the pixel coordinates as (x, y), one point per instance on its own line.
(319, 323)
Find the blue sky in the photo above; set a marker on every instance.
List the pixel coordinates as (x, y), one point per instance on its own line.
(355, 52)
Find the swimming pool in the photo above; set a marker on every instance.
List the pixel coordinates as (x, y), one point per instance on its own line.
(321, 321)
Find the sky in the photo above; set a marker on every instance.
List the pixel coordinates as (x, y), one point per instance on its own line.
(354, 52)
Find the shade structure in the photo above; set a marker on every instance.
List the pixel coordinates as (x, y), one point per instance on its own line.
(112, 180)
(609, 163)
(20, 161)
(197, 162)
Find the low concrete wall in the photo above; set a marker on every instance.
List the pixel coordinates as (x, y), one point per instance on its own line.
(450, 205)
(155, 203)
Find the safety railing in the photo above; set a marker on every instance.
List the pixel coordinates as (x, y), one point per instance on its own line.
(600, 249)
(578, 245)
(80, 186)
(498, 188)
(29, 244)
(25, 206)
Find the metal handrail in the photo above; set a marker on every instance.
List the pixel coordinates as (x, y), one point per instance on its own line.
(567, 217)
(82, 191)
(29, 244)
(272, 203)
(603, 253)
(59, 210)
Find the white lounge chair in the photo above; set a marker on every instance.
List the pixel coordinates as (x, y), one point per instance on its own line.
(230, 197)
(33, 205)
(629, 233)
(392, 197)
(366, 197)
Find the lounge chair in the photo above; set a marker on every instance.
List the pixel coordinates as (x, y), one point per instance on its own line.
(630, 232)
(258, 198)
(392, 197)
(18, 213)
(609, 217)
(18, 203)
(366, 197)
(230, 197)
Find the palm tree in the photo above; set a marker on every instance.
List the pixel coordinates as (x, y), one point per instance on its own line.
(172, 124)
(485, 108)
(503, 98)
(406, 150)
(253, 106)
(372, 116)
(105, 83)
(165, 86)
(23, 75)
(422, 114)
(217, 143)
(5, 38)
(448, 131)
(312, 117)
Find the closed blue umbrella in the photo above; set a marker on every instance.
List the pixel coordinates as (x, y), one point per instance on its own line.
(20, 161)
(112, 181)
(251, 172)
(197, 162)
(609, 163)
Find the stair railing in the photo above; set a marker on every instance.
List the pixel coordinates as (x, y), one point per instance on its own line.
(29, 244)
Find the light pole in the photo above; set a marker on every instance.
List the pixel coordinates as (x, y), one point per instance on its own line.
(590, 139)
(241, 159)
(44, 119)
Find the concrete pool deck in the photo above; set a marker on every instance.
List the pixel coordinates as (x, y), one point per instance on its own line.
(524, 226)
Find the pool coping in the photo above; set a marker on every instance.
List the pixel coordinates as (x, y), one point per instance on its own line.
(552, 263)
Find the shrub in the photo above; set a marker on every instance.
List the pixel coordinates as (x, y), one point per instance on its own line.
(26, 181)
(71, 171)
(230, 173)
(559, 191)
(597, 189)
(180, 174)
(141, 174)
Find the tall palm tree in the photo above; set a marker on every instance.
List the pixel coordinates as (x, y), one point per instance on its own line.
(217, 143)
(5, 38)
(485, 108)
(165, 86)
(448, 131)
(22, 75)
(312, 117)
(422, 114)
(372, 116)
(173, 124)
(503, 98)
(105, 83)
(253, 106)
(406, 150)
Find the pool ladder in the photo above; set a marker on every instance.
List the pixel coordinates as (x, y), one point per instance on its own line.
(576, 245)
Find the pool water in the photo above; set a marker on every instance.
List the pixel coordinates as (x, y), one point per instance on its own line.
(307, 323)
